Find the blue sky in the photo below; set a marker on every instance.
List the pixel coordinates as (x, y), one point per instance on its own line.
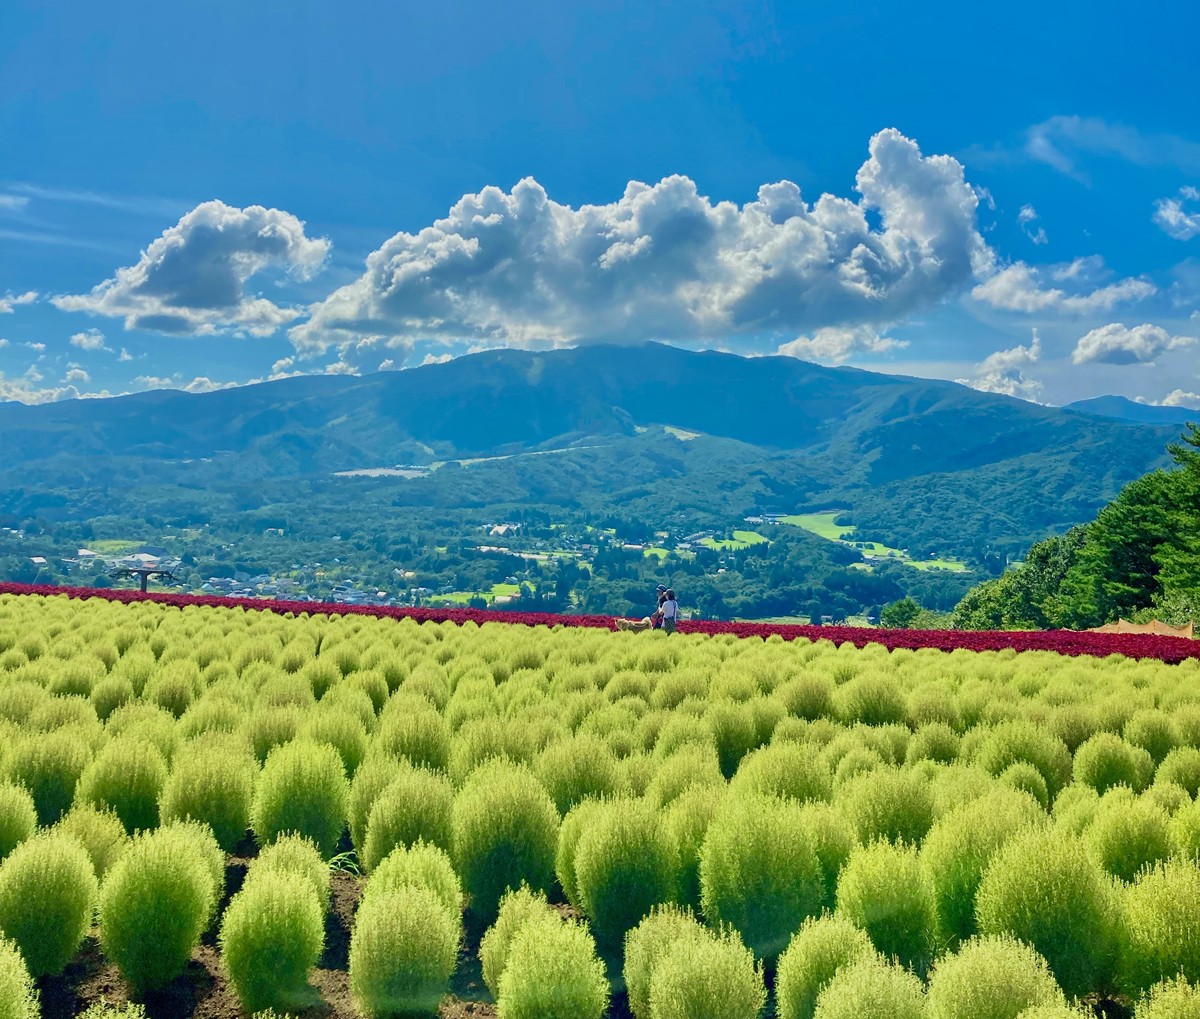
(207, 194)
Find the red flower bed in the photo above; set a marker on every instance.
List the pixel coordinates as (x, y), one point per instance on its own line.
(1064, 642)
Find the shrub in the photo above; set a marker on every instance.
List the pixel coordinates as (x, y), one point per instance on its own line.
(505, 833)
(126, 777)
(693, 764)
(18, 995)
(574, 769)
(294, 854)
(733, 733)
(516, 909)
(1163, 937)
(110, 693)
(807, 696)
(417, 805)
(1181, 766)
(1014, 741)
(421, 865)
(211, 785)
(645, 946)
(100, 832)
(403, 950)
(1184, 829)
(49, 766)
(573, 826)
(871, 699)
(267, 728)
(883, 890)
(1106, 760)
(712, 976)
(342, 730)
(889, 804)
(959, 847)
(272, 933)
(18, 817)
(1045, 889)
(154, 904)
(933, 742)
(1153, 731)
(784, 769)
(47, 897)
(759, 872)
(624, 865)
(833, 840)
(374, 775)
(816, 953)
(684, 826)
(302, 789)
(1127, 835)
(419, 736)
(553, 970)
(1024, 777)
(871, 989)
(1175, 999)
(991, 978)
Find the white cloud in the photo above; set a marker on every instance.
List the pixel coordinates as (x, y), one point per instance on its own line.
(3, 343)
(1174, 220)
(93, 339)
(1065, 142)
(77, 374)
(387, 365)
(1019, 287)
(1180, 398)
(1117, 343)
(192, 279)
(124, 355)
(11, 300)
(1025, 219)
(202, 384)
(664, 262)
(156, 382)
(837, 345)
(282, 365)
(1002, 371)
(340, 368)
(13, 201)
(39, 347)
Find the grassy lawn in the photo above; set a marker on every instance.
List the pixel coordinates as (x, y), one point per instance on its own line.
(950, 565)
(114, 546)
(740, 539)
(820, 524)
(658, 552)
(462, 597)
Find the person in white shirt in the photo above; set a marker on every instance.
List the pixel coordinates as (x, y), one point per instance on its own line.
(670, 612)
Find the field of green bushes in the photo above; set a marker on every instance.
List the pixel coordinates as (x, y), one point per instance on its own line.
(591, 823)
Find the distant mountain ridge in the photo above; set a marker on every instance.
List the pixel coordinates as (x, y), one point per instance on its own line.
(913, 456)
(1119, 408)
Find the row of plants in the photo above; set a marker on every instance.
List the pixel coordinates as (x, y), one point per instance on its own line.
(704, 824)
(1063, 642)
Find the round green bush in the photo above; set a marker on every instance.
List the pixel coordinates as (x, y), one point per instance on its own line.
(570, 832)
(1162, 927)
(959, 847)
(294, 854)
(18, 817)
(759, 871)
(1057, 1011)
(553, 970)
(47, 898)
(1014, 741)
(342, 730)
(822, 947)
(505, 833)
(712, 976)
(126, 777)
(693, 764)
(302, 789)
(420, 737)
(577, 768)
(373, 776)
(883, 889)
(1174, 999)
(789, 770)
(871, 989)
(403, 950)
(624, 865)
(100, 832)
(211, 785)
(1024, 777)
(1106, 760)
(516, 908)
(933, 742)
(1127, 835)
(268, 728)
(416, 805)
(1044, 888)
(110, 693)
(645, 945)
(271, 935)
(18, 995)
(871, 699)
(734, 733)
(991, 978)
(888, 804)
(833, 841)
(49, 766)
(419, 864)
(154, 904)
(1181, 766)
(1184, 829)
(1152, 730)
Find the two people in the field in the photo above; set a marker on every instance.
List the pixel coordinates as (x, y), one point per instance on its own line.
(665, 615)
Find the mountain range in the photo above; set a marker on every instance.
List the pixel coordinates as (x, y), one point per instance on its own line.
(652, 430)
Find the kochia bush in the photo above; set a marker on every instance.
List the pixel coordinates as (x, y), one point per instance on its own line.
(645, 946)
(888, 803)
(1015, 741)
(18, 817)
(1181, 766)
(516, 909)
(1106, 760)
(553, 970)
(18, 995)
(49, 766)
(991, 978)
(211, 785)
(1163, 937)
(302, 789)
(712, 976)
(126, 777)
(871, 989)
(576, 768)
(298, 856)
(416, 805)
(47, 897)
(100, 832)
(1127, 835)
(1175, 999)
(422, 865)
(822, 947)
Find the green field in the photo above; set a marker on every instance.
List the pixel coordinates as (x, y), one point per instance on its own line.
(823, 526)
(113, 546)
(740, 540)
(462, 597)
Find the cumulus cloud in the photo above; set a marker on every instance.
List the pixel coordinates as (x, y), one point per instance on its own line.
(1181, 398)
(77, 374)
(92, 339)
(1003, 371)
(1117, 343)
(192, 280)
(11, 300)
(1025, 219)
(124, 355)
(1173, 219)
(664, 262)
(1021, 287)
(834, 345)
